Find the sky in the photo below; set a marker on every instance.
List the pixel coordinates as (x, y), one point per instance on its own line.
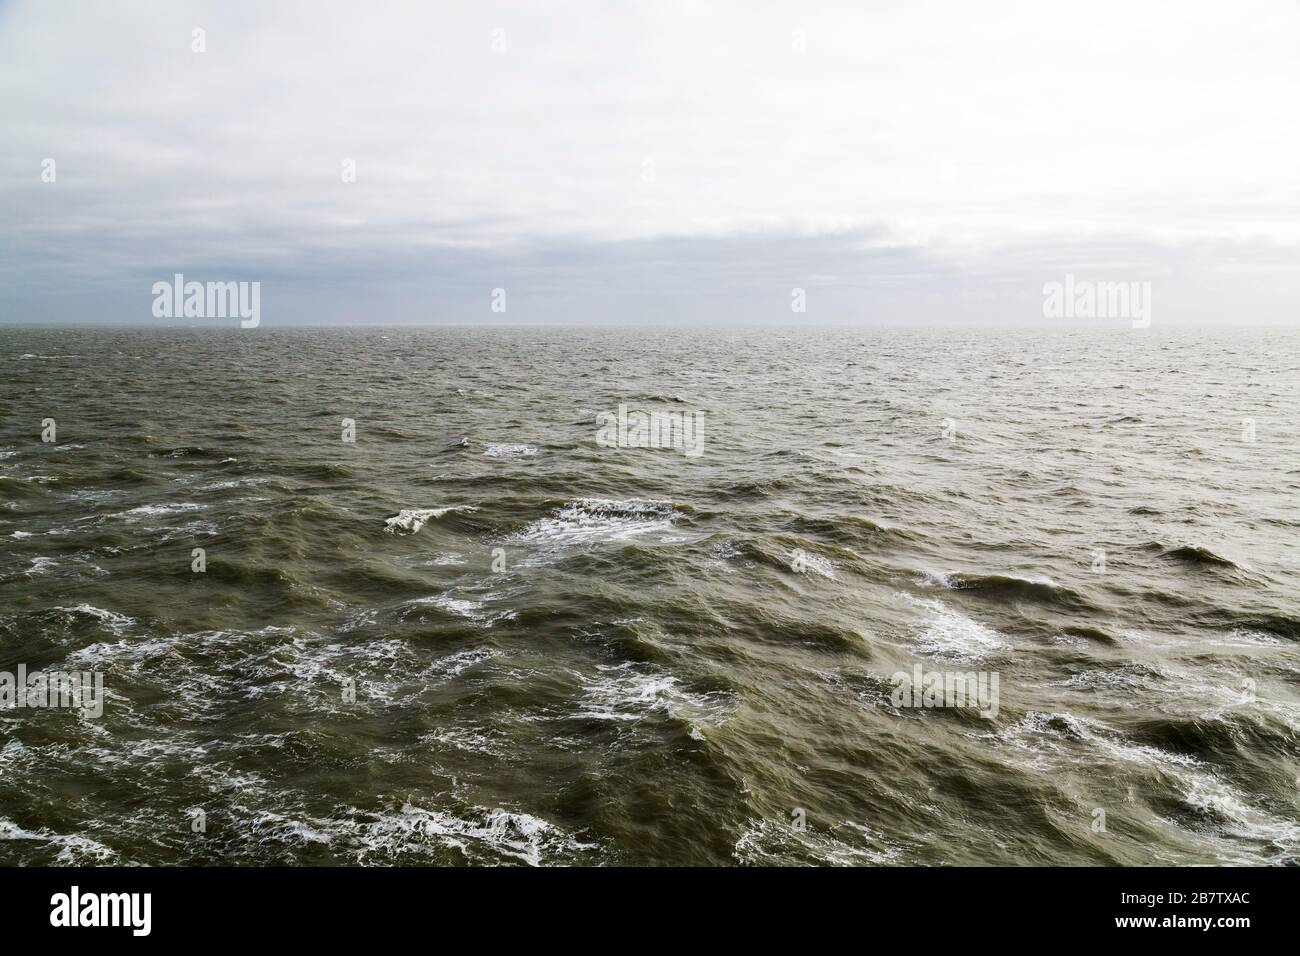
(651, 162)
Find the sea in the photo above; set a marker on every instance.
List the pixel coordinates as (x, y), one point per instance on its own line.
(376, 596)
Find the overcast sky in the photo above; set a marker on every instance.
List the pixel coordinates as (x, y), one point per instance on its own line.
(651, 161)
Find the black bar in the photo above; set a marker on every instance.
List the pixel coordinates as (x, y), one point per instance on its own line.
(331, 906)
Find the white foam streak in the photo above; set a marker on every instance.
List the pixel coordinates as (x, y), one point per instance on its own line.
(411, 520)
(601, 519)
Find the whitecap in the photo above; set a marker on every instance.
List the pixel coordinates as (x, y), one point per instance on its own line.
(1038, 730)
(802, 562)
(455, 605)
(411, 520)
(630, 692)
(455, 664)
(509, 451)
(72, 848)
(234, 483)
(1130, 677)
(468, 741)
(98, 656)
(151, 511)
(515, 835)
(767, 842)
(952, 634)
(115, 622)
(1209, 794)
(940, 579)
(276, 826)
(472, 610)
(587, 519)
(1241, 637)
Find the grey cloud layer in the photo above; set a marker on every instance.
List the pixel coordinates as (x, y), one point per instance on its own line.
(647, 161)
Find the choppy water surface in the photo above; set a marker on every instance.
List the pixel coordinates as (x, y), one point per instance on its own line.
(678, 654)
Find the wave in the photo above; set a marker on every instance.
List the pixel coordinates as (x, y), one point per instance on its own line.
(186, 451)
(410, 834)
(21, 489)
(802, 562)
(760, 623)
(601, 519)
(468, 740)
(115, 622)
(784, 553)
(1281, 625)
(1192, 554)
(494, 833)
(509, 451)
(326, 471)
(755, 489)
(411, 520)
(1217, 736)
(1125, 677)
(156, 511)
(773, 843)
(475, 611)
(1091, 633)
(850, 529)
(630, 692)
(1056, 733)
(233, 483)
(41, 565)
(73, 849)
(130, 477)
(1209, 797)
(1041, 589)
(949, 633)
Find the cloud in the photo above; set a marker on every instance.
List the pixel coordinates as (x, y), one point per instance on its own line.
(642, 161)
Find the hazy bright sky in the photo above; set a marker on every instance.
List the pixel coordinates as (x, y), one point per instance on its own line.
(651, 161)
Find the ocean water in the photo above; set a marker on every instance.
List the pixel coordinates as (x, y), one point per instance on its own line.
(475, 635)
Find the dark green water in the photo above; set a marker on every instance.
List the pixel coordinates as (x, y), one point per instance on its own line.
(676, 659)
